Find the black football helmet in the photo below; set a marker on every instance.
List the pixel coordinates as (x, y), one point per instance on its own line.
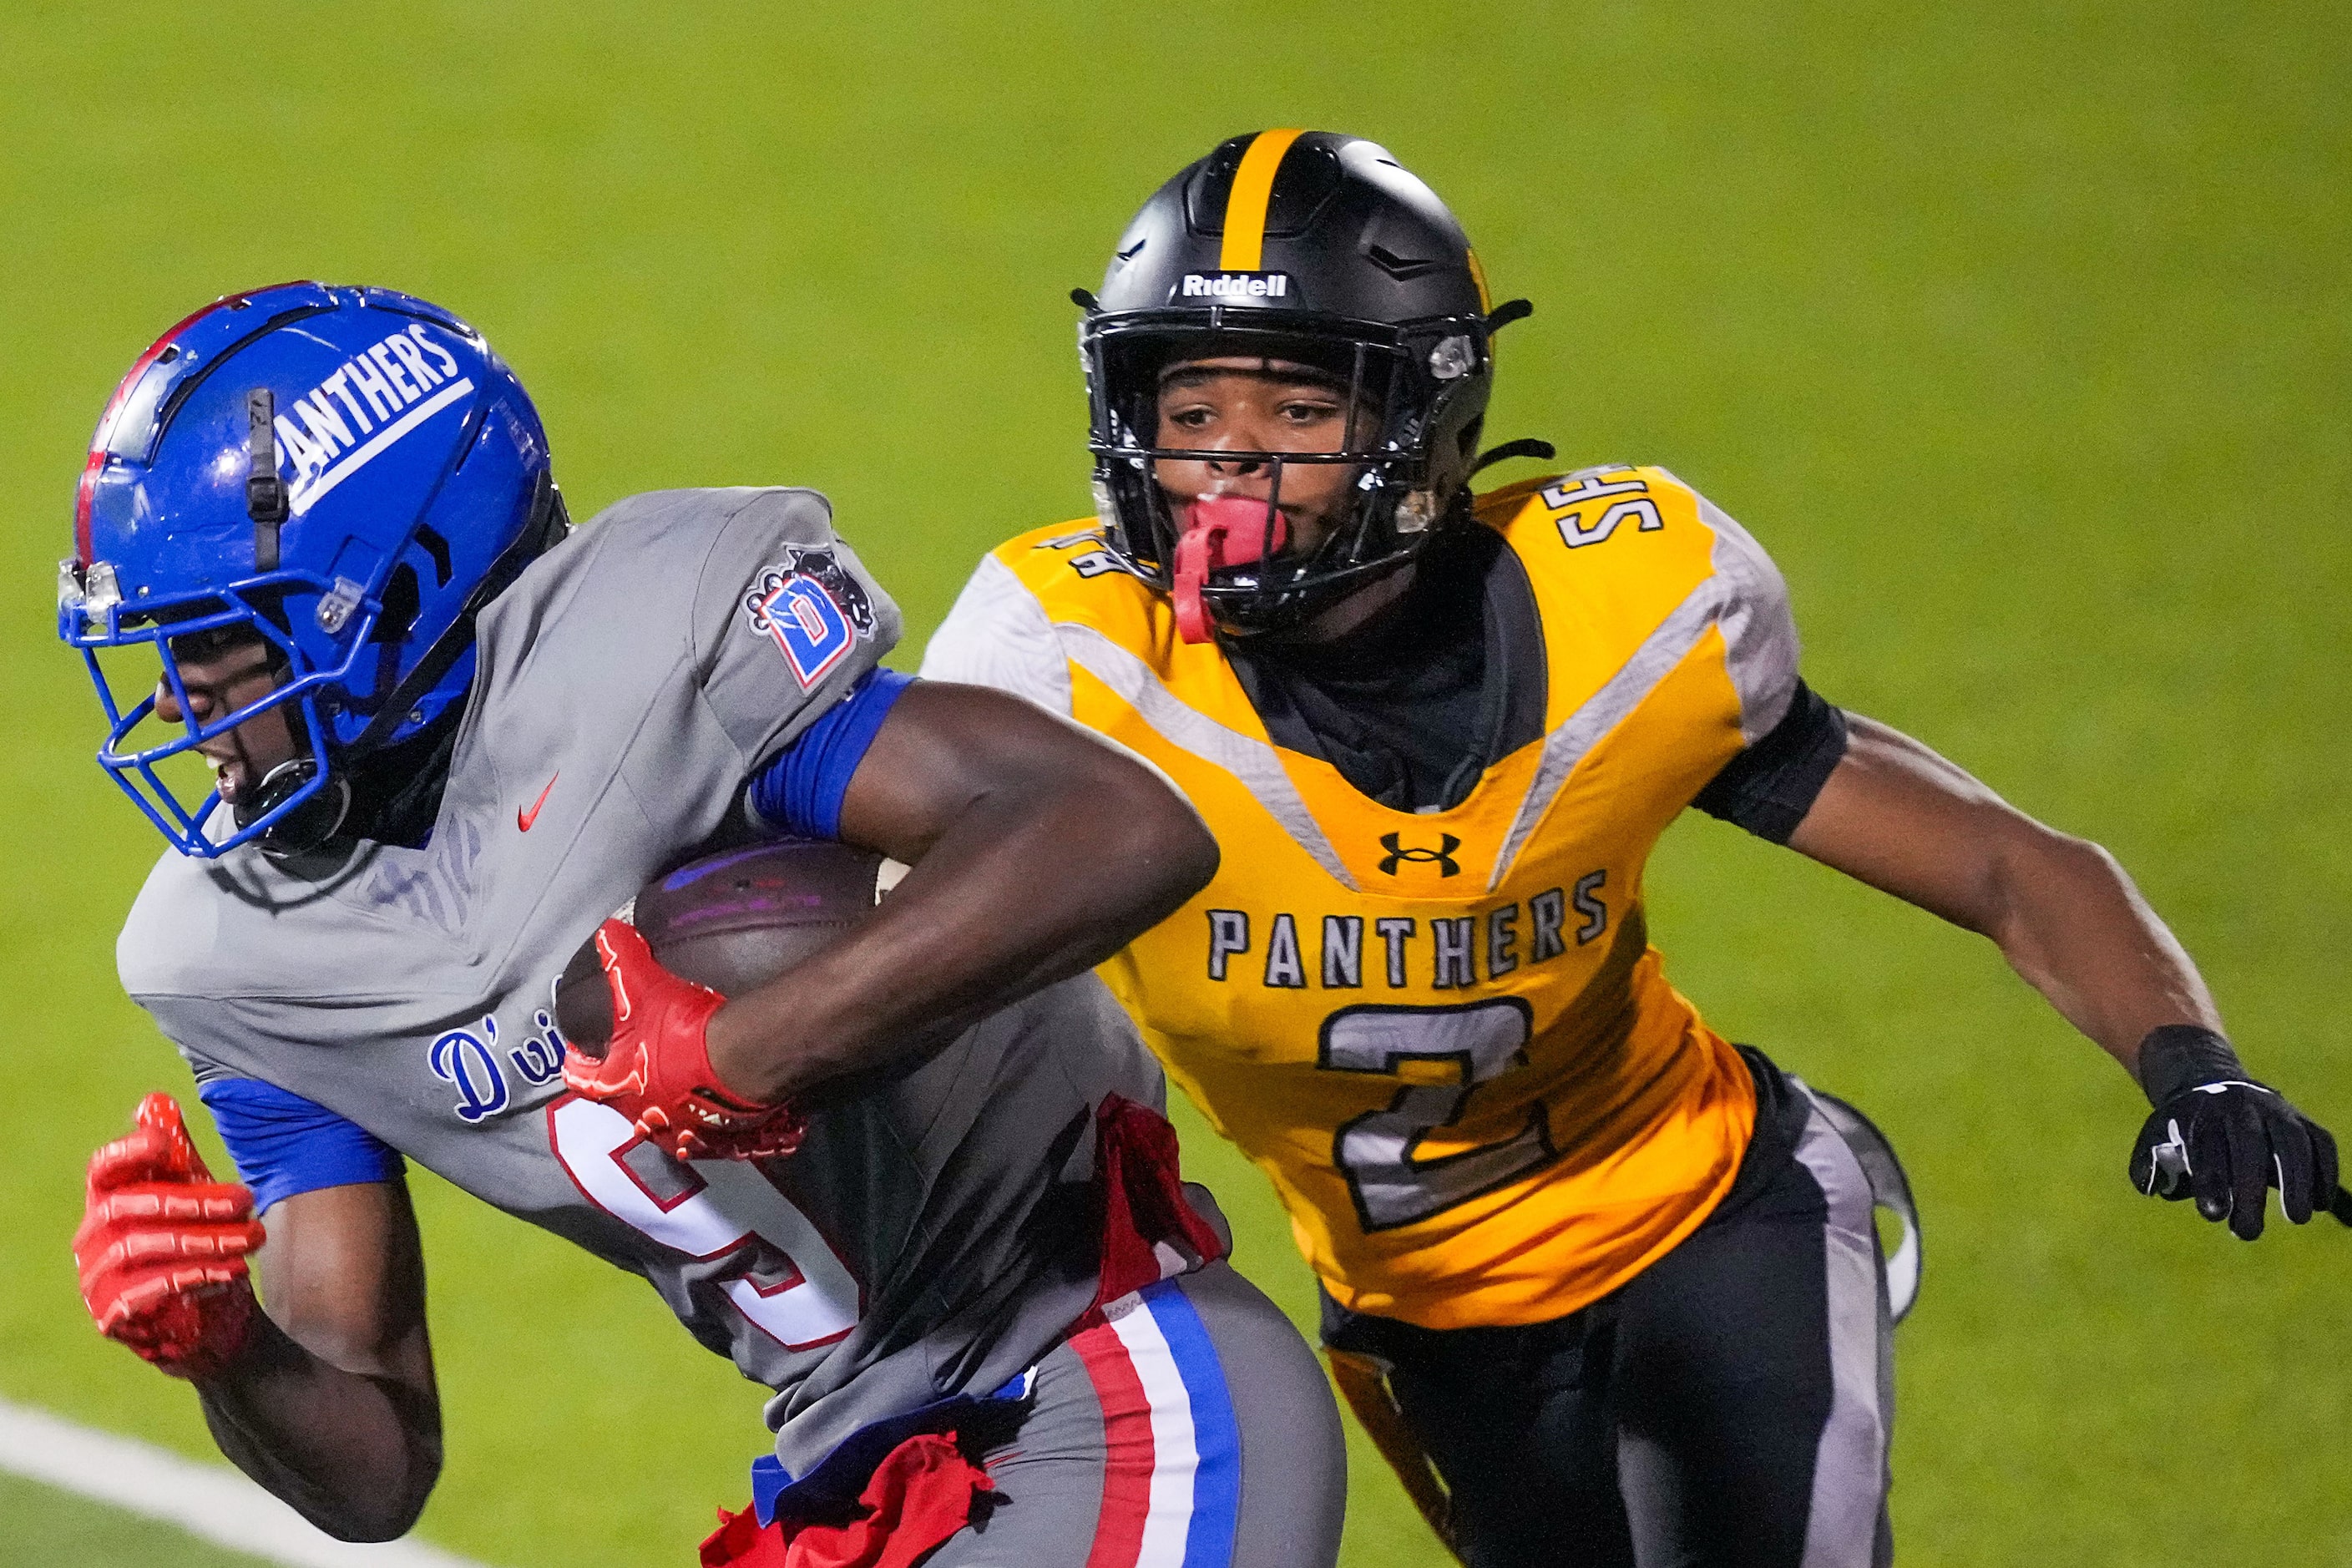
(1320, 249)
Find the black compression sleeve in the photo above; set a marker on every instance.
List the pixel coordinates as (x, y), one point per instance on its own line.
(1768, 786)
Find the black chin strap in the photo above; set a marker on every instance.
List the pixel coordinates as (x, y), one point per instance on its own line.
(308, 825)
(1509, 310)
(1524, 447)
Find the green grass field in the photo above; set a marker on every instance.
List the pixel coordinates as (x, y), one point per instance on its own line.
(45, 1528)
(2020, 332)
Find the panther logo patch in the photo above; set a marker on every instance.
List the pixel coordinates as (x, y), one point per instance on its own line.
(812, 609)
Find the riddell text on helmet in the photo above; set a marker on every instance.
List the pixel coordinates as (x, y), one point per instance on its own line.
(1234, 286)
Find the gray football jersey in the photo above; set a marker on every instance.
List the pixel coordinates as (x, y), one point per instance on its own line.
(931, 1236)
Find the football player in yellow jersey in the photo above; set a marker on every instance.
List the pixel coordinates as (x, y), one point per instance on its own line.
(1615, 1277)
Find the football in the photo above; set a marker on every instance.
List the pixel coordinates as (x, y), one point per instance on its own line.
(730, 922)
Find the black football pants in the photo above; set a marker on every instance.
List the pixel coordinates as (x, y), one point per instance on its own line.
(1729, 1407)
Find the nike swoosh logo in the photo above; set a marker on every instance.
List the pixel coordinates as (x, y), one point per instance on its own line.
(523, 819)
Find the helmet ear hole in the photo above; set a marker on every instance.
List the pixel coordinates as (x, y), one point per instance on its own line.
(402, 603)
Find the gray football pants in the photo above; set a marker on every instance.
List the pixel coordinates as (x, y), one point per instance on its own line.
(1194, 1430)
(1730, 1408)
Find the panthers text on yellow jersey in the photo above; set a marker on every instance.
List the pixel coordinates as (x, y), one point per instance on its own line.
(1444, 1035)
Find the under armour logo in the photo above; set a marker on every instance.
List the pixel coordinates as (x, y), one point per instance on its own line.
(1442, 857)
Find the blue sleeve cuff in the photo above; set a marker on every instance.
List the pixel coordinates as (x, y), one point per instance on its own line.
(799, 790)
(284, 1145)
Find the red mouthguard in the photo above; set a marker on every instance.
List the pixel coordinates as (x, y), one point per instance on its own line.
(1219, 531)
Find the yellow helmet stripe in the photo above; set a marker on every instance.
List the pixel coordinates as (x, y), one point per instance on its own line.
(1244, 245)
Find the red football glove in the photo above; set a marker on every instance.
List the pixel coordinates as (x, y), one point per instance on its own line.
(162, 1248)
(657, 1070)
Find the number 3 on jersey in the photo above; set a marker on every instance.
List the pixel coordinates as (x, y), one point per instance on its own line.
(793, 1289)
(1376, 1150)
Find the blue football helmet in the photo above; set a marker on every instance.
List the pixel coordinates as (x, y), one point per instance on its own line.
(347, 474)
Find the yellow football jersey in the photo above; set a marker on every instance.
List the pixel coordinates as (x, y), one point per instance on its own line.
(1444, 1035)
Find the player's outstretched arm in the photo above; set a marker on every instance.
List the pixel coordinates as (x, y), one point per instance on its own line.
(328, 1399)
(1038, 850)
(1895, 815)
(332, 1405)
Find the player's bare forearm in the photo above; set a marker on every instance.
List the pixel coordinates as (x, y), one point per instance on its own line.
(331, 1402)
(1038, 850)
(355, 1454)
(1897, 815)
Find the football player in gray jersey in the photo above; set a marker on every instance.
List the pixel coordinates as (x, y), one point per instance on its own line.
(918, 1185)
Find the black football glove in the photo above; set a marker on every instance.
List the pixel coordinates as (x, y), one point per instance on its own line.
(2221, 1138)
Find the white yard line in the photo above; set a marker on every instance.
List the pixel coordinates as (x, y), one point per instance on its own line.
(210, 1501)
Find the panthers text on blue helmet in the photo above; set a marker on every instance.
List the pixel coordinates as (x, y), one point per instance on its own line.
(371, 401)
(1234, 286)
